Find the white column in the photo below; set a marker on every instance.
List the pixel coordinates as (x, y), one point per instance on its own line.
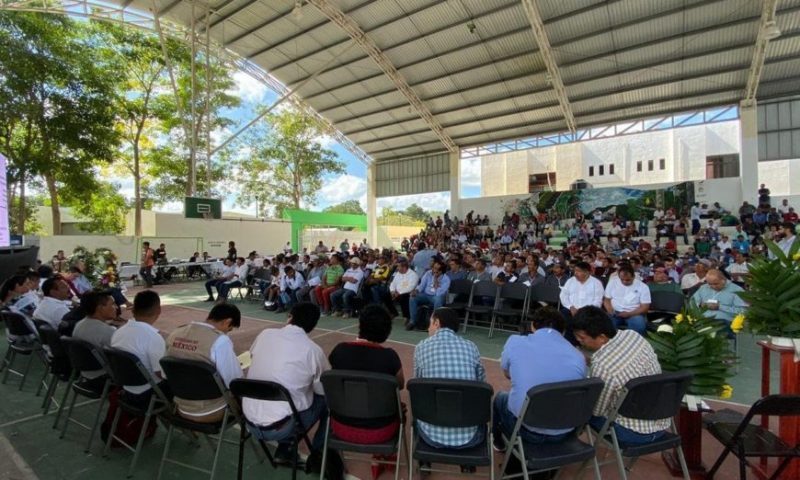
(748, 153)
(372, 207)
(455, 184)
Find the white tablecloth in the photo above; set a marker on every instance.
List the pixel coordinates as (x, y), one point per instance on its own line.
(128, 271)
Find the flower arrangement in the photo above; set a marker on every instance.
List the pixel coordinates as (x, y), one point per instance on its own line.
(774, 293)
(697, 344)
(99, 267)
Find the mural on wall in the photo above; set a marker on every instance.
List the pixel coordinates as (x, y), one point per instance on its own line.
(625, 202)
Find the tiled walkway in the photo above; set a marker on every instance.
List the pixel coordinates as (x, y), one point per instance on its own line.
(38, 445)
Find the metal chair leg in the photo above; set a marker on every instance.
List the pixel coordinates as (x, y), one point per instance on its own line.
(25, 373)
(219, 443)
(111, 432)
(142, 433)
(166, 451)
(69, 414)
(682, 460)
(240, 460)
(325, 451)
(96, 424)
(8, 361)
(68, 388)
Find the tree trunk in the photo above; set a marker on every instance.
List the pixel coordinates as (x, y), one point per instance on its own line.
(137, 190)
(54, 207)
(21, 213)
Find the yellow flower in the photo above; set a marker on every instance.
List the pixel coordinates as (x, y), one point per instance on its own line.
(691, 319)
(796, 257)
(727, 391)
(679, 318)
(738, 323)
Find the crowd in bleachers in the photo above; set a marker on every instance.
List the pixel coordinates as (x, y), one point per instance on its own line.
(594, 291)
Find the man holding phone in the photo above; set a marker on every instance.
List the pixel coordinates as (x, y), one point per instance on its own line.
(719, 297)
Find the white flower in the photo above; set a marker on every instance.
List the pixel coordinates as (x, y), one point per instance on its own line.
(664, 328)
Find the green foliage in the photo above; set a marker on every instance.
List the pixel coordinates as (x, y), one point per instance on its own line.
(416, 212)
(695, 344)
(774, 293)
(287, 163)
(349, 206)
(104, 210)
(99, 267)
(389, 216)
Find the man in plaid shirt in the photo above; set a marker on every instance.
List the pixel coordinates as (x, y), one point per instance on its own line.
(619, 356)
(446, 355)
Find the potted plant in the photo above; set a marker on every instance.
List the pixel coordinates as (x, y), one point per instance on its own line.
(774, 294)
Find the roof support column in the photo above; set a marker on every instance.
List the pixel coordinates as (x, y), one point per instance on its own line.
(748, 151)
(455, 184)
(372, 207)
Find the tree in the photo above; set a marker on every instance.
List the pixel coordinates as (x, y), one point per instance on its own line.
(56, 108)
(416, 212)
(348, 206)
(287, 165)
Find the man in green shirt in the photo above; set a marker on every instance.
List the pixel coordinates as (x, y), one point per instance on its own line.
(331, 281)
(661, 281)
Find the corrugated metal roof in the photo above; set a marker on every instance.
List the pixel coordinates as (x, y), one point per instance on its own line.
(476, 66)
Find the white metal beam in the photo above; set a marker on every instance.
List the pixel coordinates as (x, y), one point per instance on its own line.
(343, 21)
(537, 25)
(759, 52)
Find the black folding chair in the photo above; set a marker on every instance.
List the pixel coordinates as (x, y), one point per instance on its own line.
(451, 403)
(744, 439)
(480, 290)
(25, 343)
(59, 368)
(84, 357)
(197, 381)
(267, 391)
(549, 294)
(561, 405)
(127, 370)
(665, 305)
(460, 290)
(509, 294)
(359, 395)
(653, 397)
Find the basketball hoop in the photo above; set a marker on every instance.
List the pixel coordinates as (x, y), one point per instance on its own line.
(207, 216)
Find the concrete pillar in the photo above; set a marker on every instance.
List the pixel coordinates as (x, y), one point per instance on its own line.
(372, 207)
(748, 153)
(455, 185)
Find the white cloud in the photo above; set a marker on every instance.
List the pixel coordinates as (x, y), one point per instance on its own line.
(169, 207)
(342, 188)
(248, 88)
(471, 172)
(439, 201)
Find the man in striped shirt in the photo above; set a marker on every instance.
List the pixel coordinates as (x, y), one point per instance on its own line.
(618, 356)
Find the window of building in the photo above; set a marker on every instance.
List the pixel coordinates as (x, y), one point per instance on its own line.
(649, 165)
(611, 169)
(722, 166)
(591, 171)
(600, 170)
(639, 166)
(542, 182)
(662, 164)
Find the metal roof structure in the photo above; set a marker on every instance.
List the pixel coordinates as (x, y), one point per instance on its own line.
(403, 78)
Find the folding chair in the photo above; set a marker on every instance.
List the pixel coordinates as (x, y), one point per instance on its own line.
(744, 439)
(480, 290)
(127, 370)
(665, 305)
(57, 359)
(194, 380)
(363, 395)
(267, 391)
(508, 294)
(451, 403)
(460, 290)
(26, 344)
(654, 397)
(84, 357)
(560, 405)
(549, 294)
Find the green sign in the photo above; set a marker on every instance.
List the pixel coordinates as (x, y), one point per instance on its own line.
(195, 207)
(303, 218)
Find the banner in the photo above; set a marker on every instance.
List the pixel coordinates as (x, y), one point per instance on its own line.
(5, 240)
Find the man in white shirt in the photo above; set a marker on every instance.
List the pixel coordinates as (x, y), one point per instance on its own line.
(341, 299)
(142, 339)
(694, 215)
(724, 244)
(54, 305)
(289, 357)
(208, 342)
(405, 281)
(696, 278)
(238, 279)
(581, 289)
(784, 207)
(627, 300)
(658, 214)
(290, 283)
(738, 269)
(227, 273)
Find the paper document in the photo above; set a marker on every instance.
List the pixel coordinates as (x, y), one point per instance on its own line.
(245, 359)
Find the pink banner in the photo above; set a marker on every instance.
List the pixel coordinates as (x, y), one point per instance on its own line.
(4, 237)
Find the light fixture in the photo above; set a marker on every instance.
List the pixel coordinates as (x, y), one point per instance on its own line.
(297, 11)
(771, 31)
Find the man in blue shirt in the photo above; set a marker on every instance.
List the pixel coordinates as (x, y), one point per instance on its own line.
(422, 259)
(719, 297)
(542, 357)
(446, 355)
(432, 290)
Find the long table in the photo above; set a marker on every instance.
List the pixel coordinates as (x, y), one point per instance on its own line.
(126, 272)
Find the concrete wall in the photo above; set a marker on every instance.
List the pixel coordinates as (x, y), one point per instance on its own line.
(782, 177)
(683, 149)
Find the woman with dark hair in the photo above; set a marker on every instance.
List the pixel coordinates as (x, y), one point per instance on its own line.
(12, 295)
(366, 353)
